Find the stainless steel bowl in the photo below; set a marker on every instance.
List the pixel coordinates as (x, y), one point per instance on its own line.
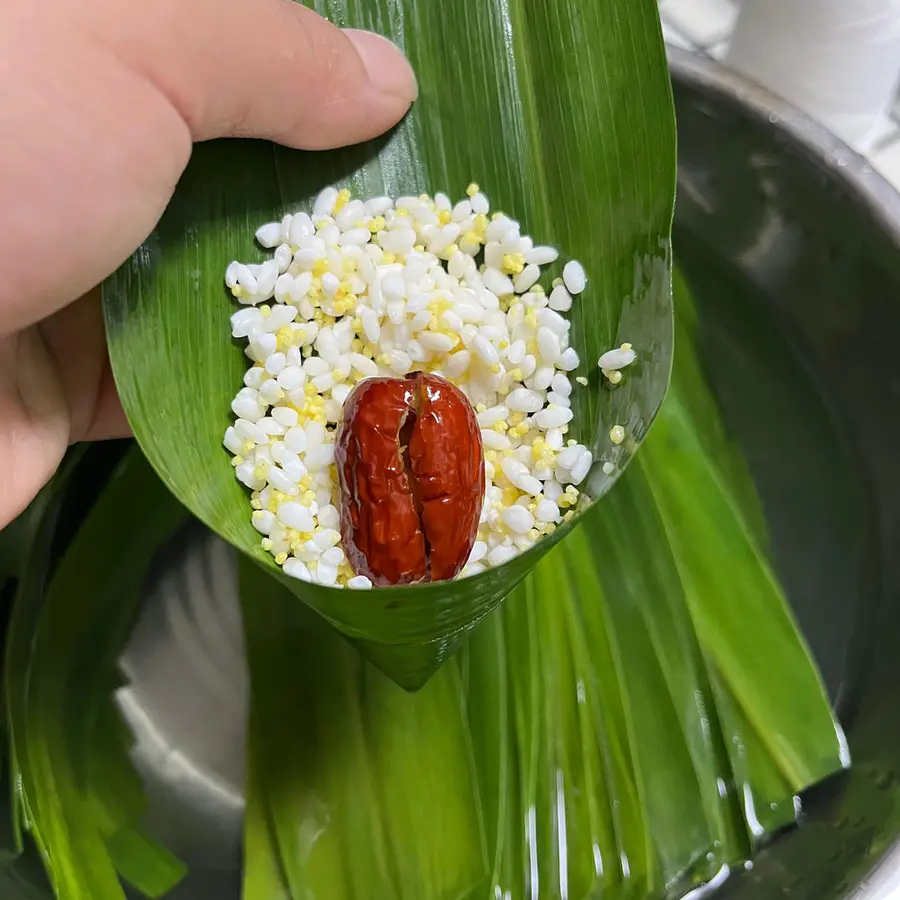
(770, 205)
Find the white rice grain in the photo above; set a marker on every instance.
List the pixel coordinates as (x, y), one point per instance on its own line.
(542, 256)
(574, 277)
(269, 235)
(383, 287)
(616, 359)
(524, 400)
(296, 516)
(518, 519)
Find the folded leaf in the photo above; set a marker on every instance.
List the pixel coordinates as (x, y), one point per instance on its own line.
(563, 113)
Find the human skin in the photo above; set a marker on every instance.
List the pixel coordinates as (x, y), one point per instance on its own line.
(100, 104)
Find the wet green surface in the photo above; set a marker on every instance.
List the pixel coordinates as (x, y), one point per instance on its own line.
(791, 245)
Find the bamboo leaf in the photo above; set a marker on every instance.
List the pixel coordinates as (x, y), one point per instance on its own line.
(575, 747)
(763, 794)
(563, 113)
(264, 877)
(143, 863)
(578, 827)
(118, 801)
(678, 759)
(343, 758)
(698, 395)
(718, 558)
(55, 707)
(34, 534)
(592, 739)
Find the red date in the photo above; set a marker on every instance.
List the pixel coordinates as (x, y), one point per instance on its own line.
(411, 471)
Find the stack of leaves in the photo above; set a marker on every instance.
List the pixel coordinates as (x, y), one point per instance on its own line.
(75, 791)
(611, 731)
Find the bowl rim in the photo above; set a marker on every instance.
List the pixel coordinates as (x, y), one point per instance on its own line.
(822, 146)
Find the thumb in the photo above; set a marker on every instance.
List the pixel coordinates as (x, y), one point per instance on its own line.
(271, 69)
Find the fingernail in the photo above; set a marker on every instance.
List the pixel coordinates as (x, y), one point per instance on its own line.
(388, 69)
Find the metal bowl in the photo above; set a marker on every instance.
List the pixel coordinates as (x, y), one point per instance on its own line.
(777, 223)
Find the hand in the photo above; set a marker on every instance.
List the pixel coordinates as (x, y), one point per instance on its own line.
(100, 102)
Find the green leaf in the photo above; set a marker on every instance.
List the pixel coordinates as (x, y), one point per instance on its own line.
(34, 533)
(567, 815)
(763, 794)
(757, 787)
(738, 607)
(678, 760)
(345, 760)
(78, 792)
(264, 878)
(589, 739)
(563, 113)
(698, 396)
(143, 863)
(118, 801)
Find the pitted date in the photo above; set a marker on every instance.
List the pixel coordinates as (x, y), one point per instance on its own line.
(411, 472)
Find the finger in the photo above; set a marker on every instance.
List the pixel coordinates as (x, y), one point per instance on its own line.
(109, 418)
(34, 421)
(104, 110)
(97, 154)
(76, 345)
(56, 388)
(267, 68)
